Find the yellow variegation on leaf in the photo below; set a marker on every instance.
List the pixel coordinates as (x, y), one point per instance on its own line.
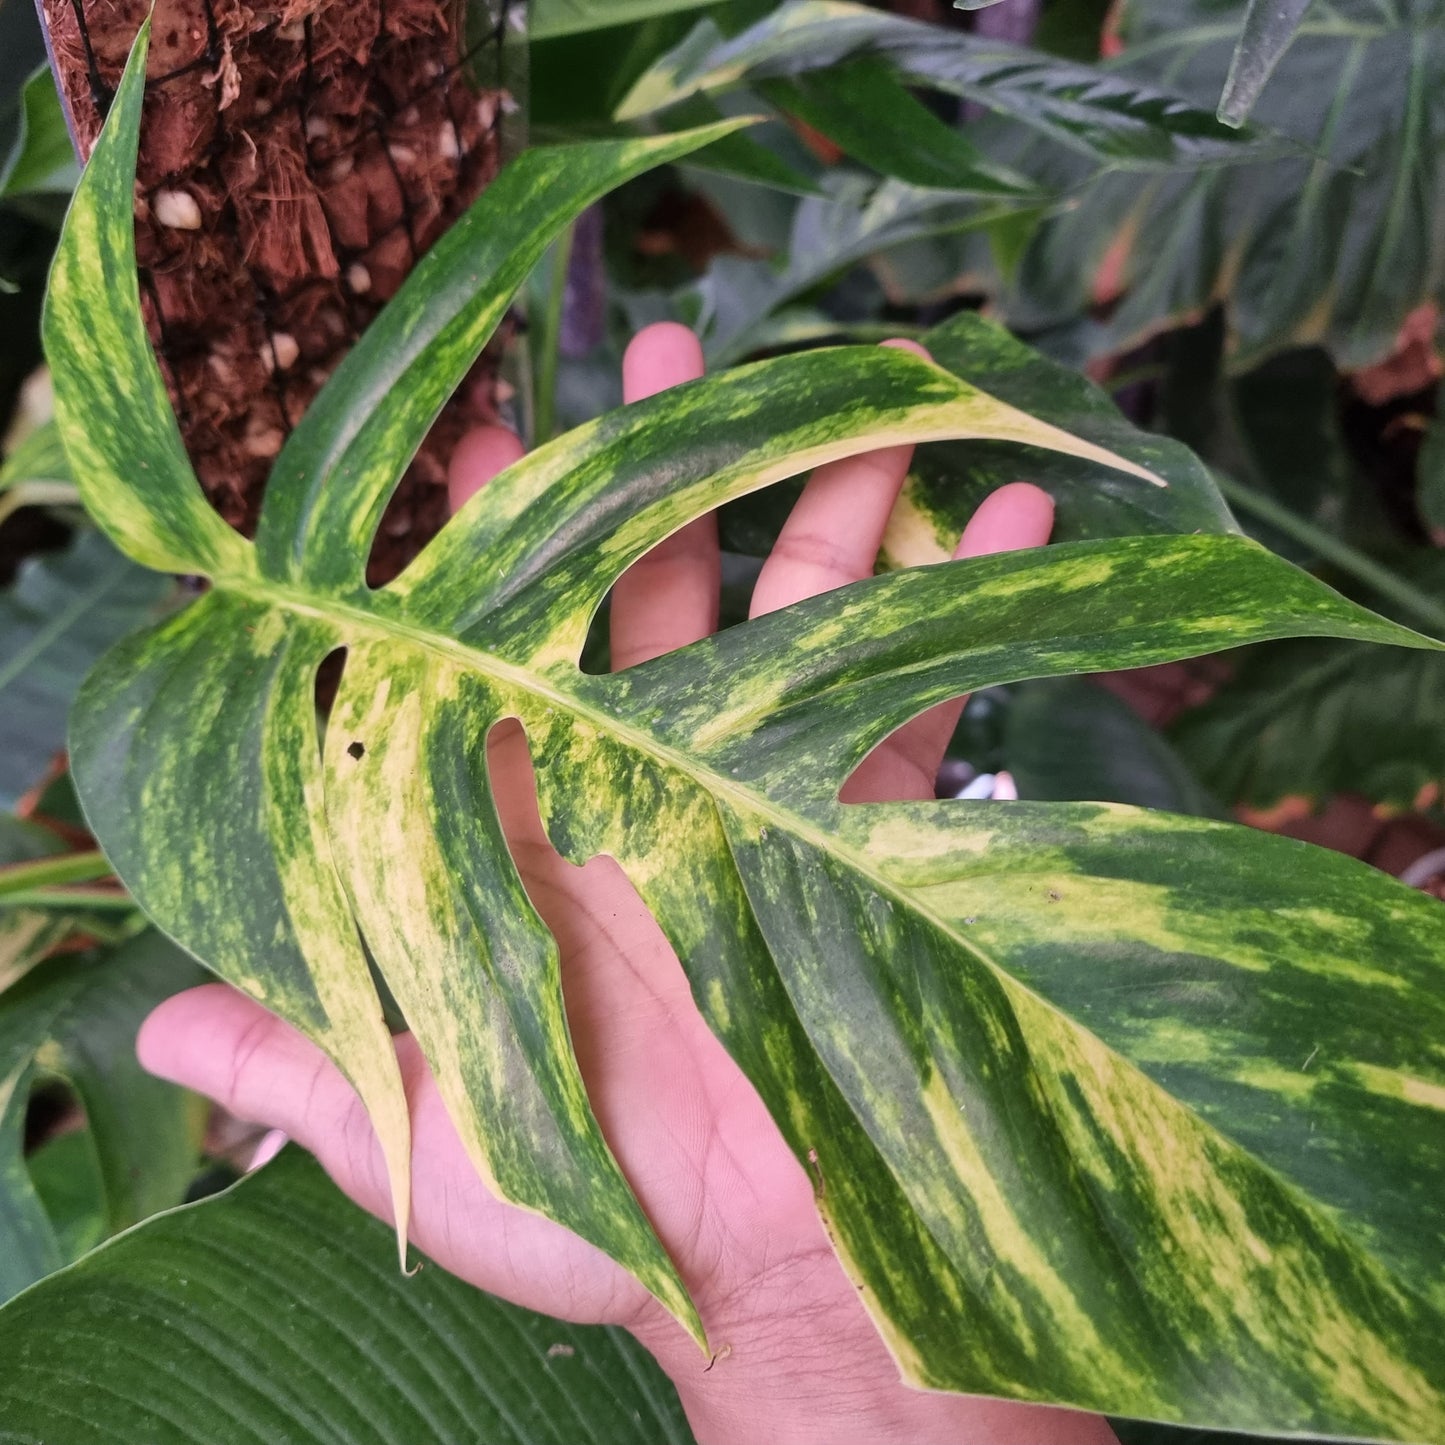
(1115, 1109)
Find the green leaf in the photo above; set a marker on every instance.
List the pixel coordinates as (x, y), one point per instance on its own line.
(62, 612)
(948, 481)
(275, 1313)
(1312, 719)
(863, 107)
(76, 1019)
(1114, 121)
(551, 18)
(1109, 1108)
(1334, 245)
(1067, 740)
(66, 1176)
(1269, 26)
(855, 218)
(42, 158)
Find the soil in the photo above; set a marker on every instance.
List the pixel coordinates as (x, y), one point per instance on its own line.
(297, 158)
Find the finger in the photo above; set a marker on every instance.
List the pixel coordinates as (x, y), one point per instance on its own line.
(669, 597)
(480, 455)
(833, 534)
(905, 766)
(224, 1045)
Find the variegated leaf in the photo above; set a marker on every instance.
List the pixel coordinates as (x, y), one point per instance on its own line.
(1107, 1108)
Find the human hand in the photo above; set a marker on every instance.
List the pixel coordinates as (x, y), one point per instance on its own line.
(799, 1360)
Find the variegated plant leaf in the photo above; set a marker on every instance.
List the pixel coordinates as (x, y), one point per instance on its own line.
(949, 480)
(1107, 1108)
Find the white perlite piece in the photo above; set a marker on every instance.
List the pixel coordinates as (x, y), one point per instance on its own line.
(178, 210)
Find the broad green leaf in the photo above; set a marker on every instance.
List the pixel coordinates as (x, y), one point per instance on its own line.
(862, 106)
(42, 157)
(949, 481)
(275, 1313)
(1114, 121)
(1312, 719)
(76, 1018)
(1068, 740)
(61, 613)
(552, 18)
(1335, 245)
(1058, 1165)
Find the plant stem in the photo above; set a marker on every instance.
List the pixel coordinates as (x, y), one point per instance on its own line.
(1350, 560)
(22, 878)
(550, 343)
(71, 900)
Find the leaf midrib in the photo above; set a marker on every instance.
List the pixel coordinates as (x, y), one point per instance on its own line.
(347, 615)
(350, 619)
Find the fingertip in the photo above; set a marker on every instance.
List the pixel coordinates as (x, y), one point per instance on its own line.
(167, 1035)
(1016, 516)
(480, 455)
(660, 356)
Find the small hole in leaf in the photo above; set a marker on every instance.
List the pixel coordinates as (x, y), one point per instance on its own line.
(356, 750)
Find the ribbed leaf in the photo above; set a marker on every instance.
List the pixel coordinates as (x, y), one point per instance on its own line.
(274, 1315)
(1333, 246)
(61, 613)
(964, 1015)
(1113, 120)
(855, 218)
(1071, 740)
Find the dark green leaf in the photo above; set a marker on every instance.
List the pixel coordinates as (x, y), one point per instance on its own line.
(274, 1314)
(76, 1018)
(66, 1174)
(864, 108)
(1070, 741)
(1312, 719)
(63, 611)
(42, 157)
(1113, 120)
(1432, 467)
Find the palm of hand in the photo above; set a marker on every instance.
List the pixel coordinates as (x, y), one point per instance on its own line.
(727, 1197)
